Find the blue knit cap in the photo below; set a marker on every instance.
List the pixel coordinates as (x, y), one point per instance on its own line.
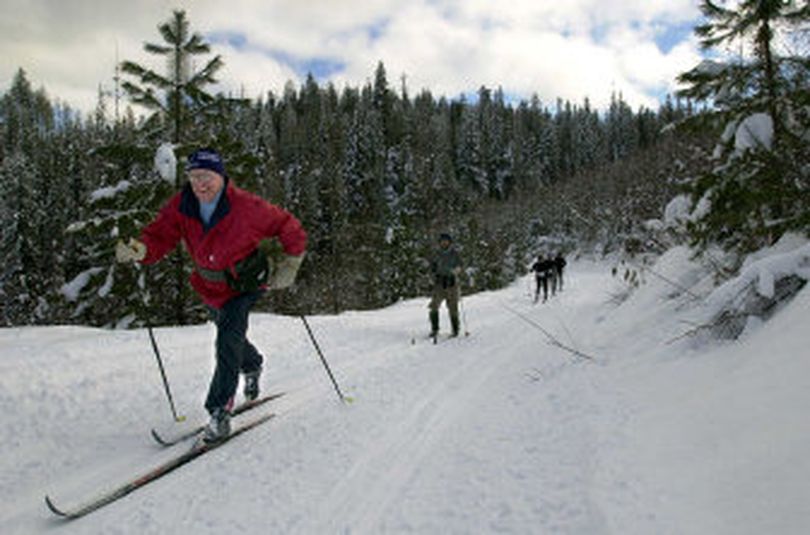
(206, 158)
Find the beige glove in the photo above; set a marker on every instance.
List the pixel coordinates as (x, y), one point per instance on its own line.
(132, 251)
(285, 272)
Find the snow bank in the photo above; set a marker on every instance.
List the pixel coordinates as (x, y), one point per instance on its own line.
(762, 273)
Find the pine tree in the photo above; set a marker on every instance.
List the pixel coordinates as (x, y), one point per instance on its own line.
(19, 283)
(177, 96)
(621, 130)
(33, 202)
(27, 116)
(177, 100)
(756, 191)
(470, 158)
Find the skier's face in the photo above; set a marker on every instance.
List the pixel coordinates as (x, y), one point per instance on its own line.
(206, 184)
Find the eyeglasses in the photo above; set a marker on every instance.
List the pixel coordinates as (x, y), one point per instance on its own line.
(201, 176)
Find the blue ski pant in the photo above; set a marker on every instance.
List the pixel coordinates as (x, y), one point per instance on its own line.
(234, 353)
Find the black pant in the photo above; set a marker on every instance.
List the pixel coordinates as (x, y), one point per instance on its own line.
(542, 282)
(234, 352)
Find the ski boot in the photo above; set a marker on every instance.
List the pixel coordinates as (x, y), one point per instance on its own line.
(251, 389)
(219, 427)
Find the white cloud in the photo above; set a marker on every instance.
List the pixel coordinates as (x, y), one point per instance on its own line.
(430, 51)
(251, 74)
(645, 64)
(569, 49)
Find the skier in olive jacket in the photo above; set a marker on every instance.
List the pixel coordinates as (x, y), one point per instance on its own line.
(222, 227)
(445, 267)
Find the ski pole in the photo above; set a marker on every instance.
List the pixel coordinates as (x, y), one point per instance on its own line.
(155, 349)
(343, 398)
(163, 375)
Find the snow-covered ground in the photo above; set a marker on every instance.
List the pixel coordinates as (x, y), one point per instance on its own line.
(498, 432)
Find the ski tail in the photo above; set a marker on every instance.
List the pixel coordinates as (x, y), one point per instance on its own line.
(239, 409)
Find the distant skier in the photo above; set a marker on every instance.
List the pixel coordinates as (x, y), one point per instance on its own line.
(559, 266)
(543, 270)
(445, 267)
(222, 227)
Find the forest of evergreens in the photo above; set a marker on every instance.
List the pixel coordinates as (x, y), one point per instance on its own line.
(375, 173)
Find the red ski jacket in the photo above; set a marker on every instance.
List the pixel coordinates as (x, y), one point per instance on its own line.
(240, 221)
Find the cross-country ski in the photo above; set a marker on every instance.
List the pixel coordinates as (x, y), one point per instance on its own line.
(199, 448)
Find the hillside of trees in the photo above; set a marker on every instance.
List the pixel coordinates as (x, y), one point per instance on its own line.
(373, 172)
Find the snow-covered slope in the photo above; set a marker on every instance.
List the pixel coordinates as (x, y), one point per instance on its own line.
(498, 432)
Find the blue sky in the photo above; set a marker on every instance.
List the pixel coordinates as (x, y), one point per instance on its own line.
(671, 35)
(322, 68)
(568, 49)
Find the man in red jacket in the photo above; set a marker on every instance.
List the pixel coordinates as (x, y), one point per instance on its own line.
(222, 227)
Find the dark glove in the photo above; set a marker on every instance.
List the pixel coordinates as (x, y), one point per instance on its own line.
(251, 273)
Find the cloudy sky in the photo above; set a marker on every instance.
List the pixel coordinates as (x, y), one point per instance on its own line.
(555, 48)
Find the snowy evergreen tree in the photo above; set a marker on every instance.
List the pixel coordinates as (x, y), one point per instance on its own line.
(589, 144)
(502, 176)
(176, 97)
(470, 160)
(20, 287)
(32, 206)
(622, 134)
(104, 292)
(757, 189)
(27, 116)
(175, 100)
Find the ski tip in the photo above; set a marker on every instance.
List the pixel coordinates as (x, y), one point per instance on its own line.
(159, 439)
(55, 510)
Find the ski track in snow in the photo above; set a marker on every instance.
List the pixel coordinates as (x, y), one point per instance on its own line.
(390, 461)
(498, 432)
(466, 381)
(405, 445)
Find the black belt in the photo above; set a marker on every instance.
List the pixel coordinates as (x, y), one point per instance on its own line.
(218, 275)
(211, 274)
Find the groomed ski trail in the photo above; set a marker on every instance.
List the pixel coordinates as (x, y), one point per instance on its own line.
(389, 463)
(419, 449)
